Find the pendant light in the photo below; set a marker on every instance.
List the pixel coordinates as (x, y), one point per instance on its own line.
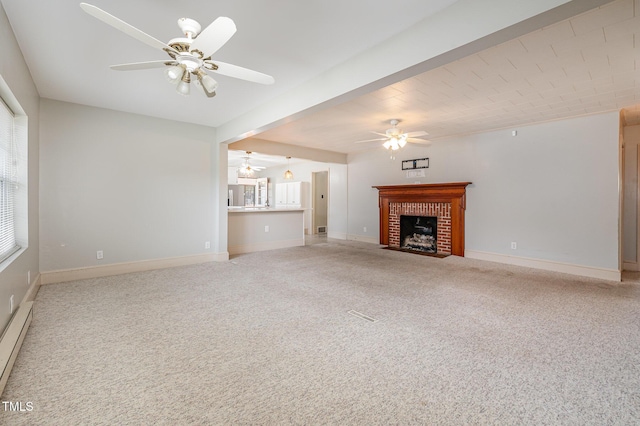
(288, 175)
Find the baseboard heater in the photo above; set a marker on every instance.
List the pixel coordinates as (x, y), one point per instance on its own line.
(12, 338)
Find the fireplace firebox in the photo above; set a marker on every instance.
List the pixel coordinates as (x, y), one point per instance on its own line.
(419, 233)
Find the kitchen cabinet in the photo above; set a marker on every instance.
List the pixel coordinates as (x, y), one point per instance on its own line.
(262, 192)
(292, 194)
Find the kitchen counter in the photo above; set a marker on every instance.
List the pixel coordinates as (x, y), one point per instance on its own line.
(264, 228)
(242, 209)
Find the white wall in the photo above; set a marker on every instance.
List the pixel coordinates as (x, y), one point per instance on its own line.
(135, 187)
(14, 71)
(553, 189)
(218, 200)
(337, 211)
(338, 215)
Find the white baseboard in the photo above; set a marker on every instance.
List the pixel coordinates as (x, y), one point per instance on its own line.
(631, 266)
(53, 277)
(265, 245)
(12, 339)
(548, 265)
(33, 290)
(337, 235)
(372, 240)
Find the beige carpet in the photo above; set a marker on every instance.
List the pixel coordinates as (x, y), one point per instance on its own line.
(267, 338)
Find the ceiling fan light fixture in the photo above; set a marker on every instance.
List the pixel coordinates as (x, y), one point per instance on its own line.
(392, 144)
(190, 62)
(174, 73)
(394, 138)
(189, 55)
(184, 87)
(245, 171)
(209, 84)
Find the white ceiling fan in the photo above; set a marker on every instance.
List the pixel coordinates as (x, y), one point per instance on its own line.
(189, 55)
(246, 169)
(394, 138)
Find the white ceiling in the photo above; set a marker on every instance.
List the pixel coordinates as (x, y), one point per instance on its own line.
(587, 64)
(69, 52)
(238, 158)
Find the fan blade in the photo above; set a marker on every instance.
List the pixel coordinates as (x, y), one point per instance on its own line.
(214, 36)
(142, 65)
(419, 141)
(381, 134)
(124, 27)
(372, 140)
(417, 134)
(241, 73)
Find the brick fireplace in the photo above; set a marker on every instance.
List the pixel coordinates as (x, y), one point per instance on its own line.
(444, 201)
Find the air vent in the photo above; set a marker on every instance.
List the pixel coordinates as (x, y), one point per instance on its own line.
(361, 316)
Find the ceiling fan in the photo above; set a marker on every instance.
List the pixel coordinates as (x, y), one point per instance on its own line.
(394, 138)
(246, 169)
(189, 55)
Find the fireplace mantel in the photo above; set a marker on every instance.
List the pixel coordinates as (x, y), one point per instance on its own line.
(450, 194)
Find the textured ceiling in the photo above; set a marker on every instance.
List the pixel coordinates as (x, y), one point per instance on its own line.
(584, 65)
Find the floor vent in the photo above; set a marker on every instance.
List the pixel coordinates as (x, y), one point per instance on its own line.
(361, 316)
(322, 229)
(12, 338)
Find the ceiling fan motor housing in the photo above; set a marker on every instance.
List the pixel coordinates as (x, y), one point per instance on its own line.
(394, 131)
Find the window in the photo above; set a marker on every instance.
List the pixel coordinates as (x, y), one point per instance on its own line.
(8, 182)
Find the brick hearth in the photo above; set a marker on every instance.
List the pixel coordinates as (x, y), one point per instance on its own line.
(445, 201)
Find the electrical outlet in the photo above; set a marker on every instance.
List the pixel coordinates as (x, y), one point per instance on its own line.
(364, 229)
(514, 246)
(11, 304)
(99, 255)
(207, 245)
(266, 228)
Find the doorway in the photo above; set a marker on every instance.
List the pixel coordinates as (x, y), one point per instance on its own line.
(631, 172)
(320, 201)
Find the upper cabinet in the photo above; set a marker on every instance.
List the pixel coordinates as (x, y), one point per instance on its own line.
(262, 192)
(232, 176)
(292, 194)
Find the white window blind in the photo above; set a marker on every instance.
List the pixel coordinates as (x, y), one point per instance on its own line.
(8, 182)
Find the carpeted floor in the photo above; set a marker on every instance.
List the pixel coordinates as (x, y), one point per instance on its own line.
(267, 338)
